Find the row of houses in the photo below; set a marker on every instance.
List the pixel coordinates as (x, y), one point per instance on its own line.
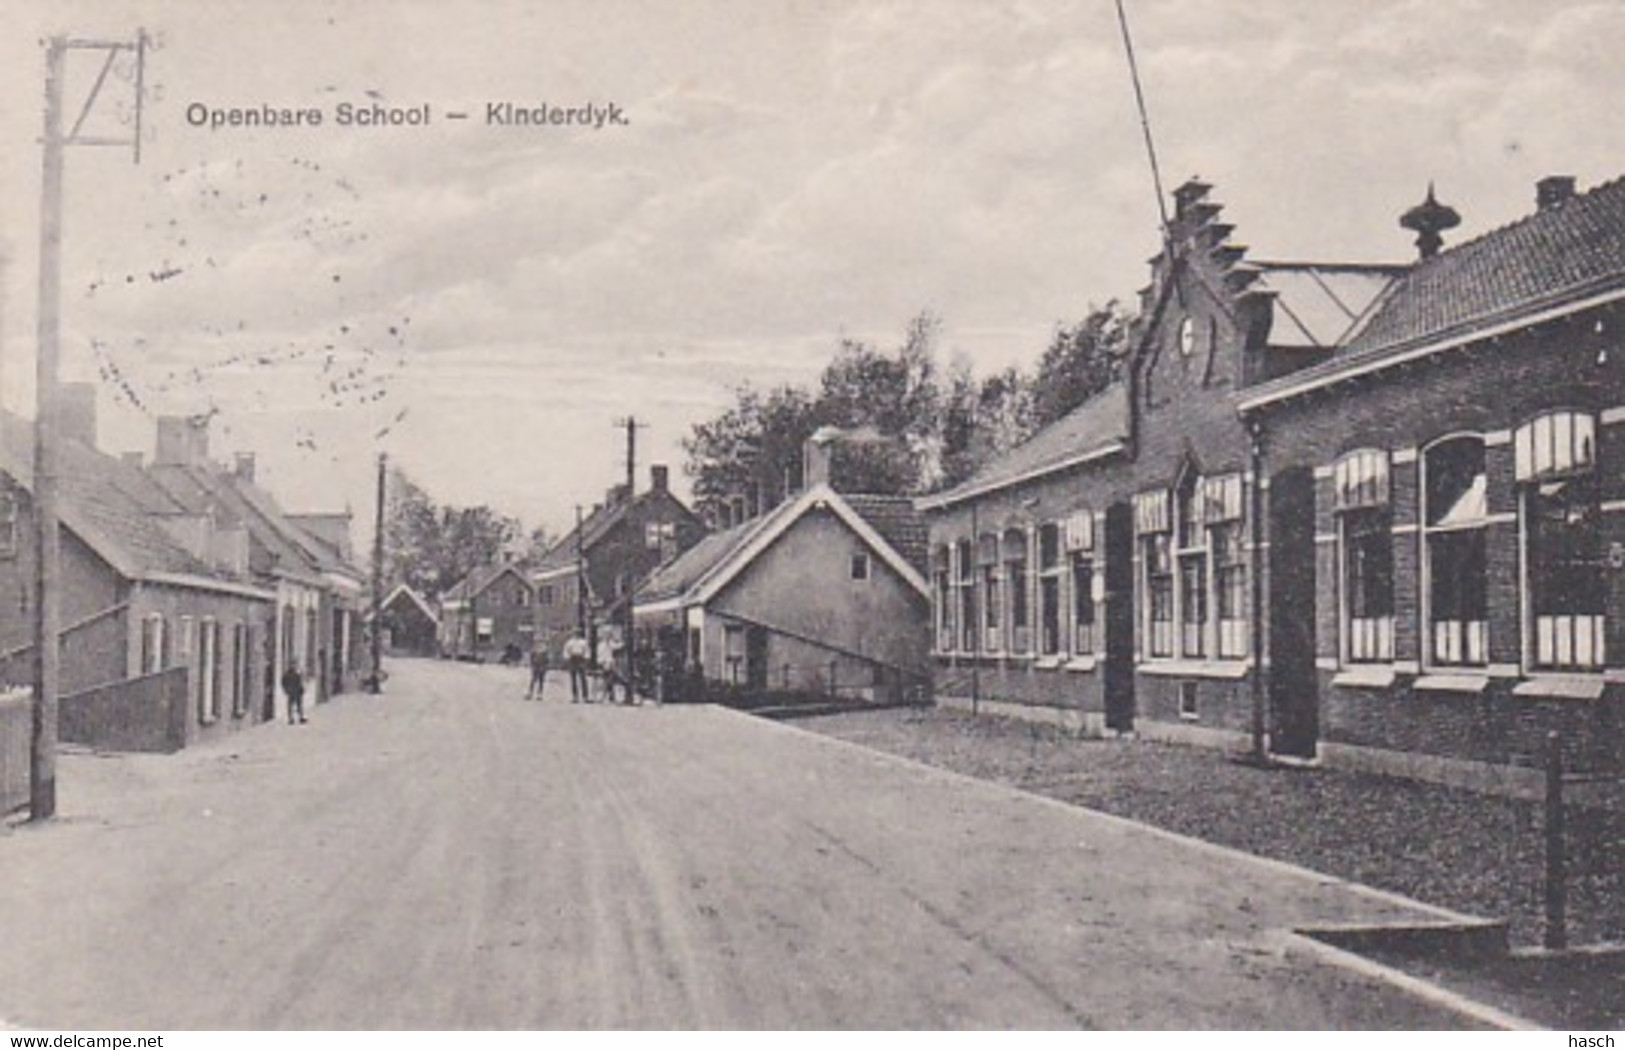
(186, 588)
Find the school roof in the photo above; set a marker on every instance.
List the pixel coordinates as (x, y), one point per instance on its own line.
(1559, 259)
(1097, 428)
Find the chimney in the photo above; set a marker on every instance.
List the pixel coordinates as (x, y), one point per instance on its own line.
(659, 477)
(76, 412)
(243, 466)
(182, 441)
(816, 453)
(1552, 191)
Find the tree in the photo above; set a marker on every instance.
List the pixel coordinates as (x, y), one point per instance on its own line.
(430, 547)
(1080, 361)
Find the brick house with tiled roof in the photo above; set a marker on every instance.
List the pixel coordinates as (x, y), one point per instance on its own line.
(1368, 513)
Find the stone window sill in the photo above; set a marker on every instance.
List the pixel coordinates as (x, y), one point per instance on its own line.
(1374, 676)
(1452, 683)
(1562, 686)
(1081, 664)
(1230, 669)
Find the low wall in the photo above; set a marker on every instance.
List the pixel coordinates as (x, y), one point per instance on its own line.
(138, 714)
(16, 721)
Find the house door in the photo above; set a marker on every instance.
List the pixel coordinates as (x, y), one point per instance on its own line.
(756, 659)
(1294, 703)
(1118, 673)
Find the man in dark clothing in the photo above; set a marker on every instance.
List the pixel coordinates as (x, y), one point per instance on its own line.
(293, 684)
(538, 671)
(575, 657)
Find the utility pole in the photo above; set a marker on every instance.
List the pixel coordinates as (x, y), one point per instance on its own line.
(47, 605)
(629, 578)
(581, 580)
(376, 684)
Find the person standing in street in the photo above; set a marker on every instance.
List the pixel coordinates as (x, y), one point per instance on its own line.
(575, 658)
(293, 685)
(538, 670)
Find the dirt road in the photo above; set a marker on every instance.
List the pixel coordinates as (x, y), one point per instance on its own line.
(450, 856)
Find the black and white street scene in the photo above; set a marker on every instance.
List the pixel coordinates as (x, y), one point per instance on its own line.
(812, 514)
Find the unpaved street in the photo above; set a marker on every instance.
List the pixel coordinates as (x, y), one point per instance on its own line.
(449, 856)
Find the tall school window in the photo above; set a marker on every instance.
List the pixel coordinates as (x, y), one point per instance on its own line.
(1015, 574)
(1221, 510)
(943, 595)
(1153, 523)
(1080, 547)
(965, 582)
(1362, 500)
(1191, 533)
(154, 646)
(987, 557)
(1564, 558)
(8, 525)
(1456, 567)
(1051, 572)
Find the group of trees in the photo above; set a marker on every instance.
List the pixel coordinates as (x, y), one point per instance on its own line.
(431, 546)
(917, 426)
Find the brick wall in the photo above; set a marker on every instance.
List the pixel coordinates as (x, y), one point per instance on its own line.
(16, 720)
(149, 713)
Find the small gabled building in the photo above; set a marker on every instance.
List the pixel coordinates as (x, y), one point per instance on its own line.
(487, 614)
(411, 625)
(824, 594)
(585, 579)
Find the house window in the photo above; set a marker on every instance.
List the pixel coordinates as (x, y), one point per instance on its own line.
(1454, 530)
(942, 591)
(1015, 574)
(1191, 533)
(1565, 564)
(239, 670)
(987, 555)
(1051, 572)
(8, 525)
(1080, 543)
(521, 598)
(484, 627)
(154, 646)
(208, 670)
(1362, 503)
(733, 653)
(1153, 522)
(858, 566)
(965, 560)
(544, 594)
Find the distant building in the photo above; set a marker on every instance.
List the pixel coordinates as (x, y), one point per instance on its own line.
(585, 578)
(411, 625)
(824, 594)
(487, 613)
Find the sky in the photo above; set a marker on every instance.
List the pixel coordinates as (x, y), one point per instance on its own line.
(484, 302)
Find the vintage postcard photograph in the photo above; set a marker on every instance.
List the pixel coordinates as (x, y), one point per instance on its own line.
(797, 515)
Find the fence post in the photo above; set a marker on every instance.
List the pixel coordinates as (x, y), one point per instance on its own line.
(1556, 937)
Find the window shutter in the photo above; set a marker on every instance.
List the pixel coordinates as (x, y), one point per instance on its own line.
(1361, 480)
(1151, 512)
(1221, 499)
(1079, 530)
(1556, 443)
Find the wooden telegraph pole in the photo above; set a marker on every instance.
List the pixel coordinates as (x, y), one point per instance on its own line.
(47, 537)
(628, 581)
(376, 683)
